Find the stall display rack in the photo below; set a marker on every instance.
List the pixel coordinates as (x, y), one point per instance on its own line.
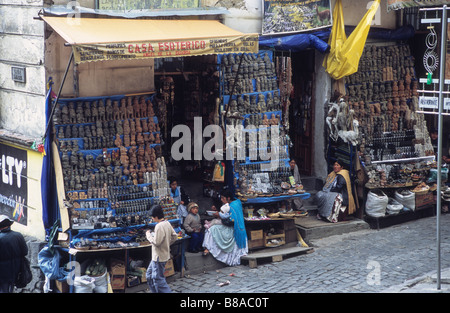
(251, 102)
(113, 171)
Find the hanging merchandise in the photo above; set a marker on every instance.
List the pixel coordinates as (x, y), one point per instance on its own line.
(219, 172)
(284, 72)
(262, 176)
(344, 55)
(382, 98)
(166, 103)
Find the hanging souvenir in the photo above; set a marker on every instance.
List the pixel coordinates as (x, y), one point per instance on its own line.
(219, 172)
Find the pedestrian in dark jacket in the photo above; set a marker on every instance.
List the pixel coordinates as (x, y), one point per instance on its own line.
(12, 250)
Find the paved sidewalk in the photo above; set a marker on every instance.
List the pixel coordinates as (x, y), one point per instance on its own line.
(399, 258)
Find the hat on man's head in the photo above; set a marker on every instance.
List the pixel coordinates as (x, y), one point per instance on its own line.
(5, 221)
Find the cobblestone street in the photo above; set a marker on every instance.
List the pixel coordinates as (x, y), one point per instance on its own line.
(363, 261)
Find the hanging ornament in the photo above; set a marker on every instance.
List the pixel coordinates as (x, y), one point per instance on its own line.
(41, 149)
(430, 57)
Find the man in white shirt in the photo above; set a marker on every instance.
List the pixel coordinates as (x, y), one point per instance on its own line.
(161, 239)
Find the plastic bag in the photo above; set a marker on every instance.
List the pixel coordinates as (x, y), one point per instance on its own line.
(84, 284)
(101, 283)
(344, 55)
(407, 198)
(48, 260)
(432, 177)
(376, 203)
(393, 207)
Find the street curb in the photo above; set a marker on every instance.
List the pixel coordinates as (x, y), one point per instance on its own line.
(423, 284)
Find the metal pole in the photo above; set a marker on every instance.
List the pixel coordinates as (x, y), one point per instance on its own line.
(59, 93)
(439, 160)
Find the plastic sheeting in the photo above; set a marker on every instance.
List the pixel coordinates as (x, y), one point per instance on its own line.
(318, 40)
(49, 262)
(66, 10)
(297, 42)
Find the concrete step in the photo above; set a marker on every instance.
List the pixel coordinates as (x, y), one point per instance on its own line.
(196, 263)
(275, 254)
(311, 228)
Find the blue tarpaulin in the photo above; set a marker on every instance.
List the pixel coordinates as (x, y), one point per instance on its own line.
(318, 40)
(297, 42)
(49, 262)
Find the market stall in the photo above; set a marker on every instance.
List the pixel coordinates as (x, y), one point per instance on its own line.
(378, 120)
(254, 114)
(106, 149)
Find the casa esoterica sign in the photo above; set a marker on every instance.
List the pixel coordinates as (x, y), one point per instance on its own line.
(165, 49)
(101, 39)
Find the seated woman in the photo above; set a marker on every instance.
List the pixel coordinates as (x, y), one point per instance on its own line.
(223, 214)
(335, 201)
(296, 203)
(227, 241)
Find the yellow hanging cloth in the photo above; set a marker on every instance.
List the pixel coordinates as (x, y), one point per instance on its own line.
(344, 55)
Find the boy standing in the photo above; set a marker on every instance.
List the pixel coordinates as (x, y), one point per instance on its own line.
(193, 226)
(161, 239)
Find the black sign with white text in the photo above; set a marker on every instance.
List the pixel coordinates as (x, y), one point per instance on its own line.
(13, 183)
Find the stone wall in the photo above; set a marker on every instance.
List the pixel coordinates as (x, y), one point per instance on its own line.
(36, 285)
(22, 45)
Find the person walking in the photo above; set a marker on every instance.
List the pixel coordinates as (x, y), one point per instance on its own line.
(163, 236)
(13, 249)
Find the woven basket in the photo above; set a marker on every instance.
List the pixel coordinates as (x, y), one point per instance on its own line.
(421, 192)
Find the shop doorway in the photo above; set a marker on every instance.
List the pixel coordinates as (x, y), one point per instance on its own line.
(188, 88)
(301, 111)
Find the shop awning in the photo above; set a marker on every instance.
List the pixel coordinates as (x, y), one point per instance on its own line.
(100, 39)
(404, 4)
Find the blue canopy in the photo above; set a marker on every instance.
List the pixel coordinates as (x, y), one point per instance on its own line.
(318, 40)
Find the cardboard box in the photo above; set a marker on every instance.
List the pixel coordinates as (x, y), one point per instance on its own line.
(117, 267)
(62, 286)
(425, 200)
(118, 281)
(169, 269)
(143, 277)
